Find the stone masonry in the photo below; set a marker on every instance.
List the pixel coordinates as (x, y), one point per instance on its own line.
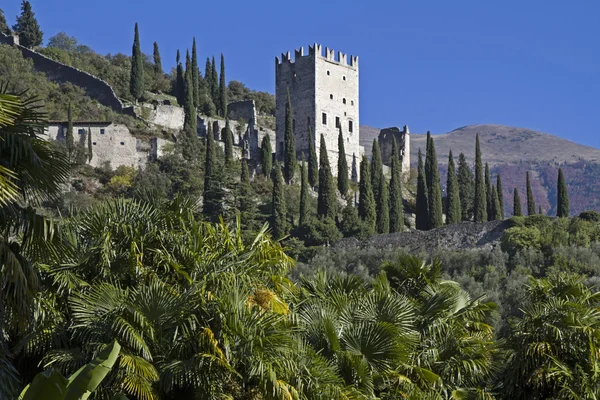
(402, 137)
(323, 90)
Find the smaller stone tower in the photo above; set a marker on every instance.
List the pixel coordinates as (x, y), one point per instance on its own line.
(402, 137)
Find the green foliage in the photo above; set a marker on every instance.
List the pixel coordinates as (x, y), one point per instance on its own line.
(383, 207)
(453, 211)
(436, 218)
(592, 216)
(422, 212)
(214, 86)
(304, 205)
(62, 41)
(500, 192)
(136, 77)
(327, 200)
(530, 199)
(279, 224)
(90, 148)
(227, 137)
(480, 197)
(367, 207)
(157, 61)
(3, 25)
(342, 167)
(195, 75)
(179, 83)
(289, 144)
(266, 156)
(313, 164)
(27, 27)
(517, 204)
(351, 224)
(494, 205)
(488, 194)
(264, 101)
(354, 172)
(396, 207)
(213, 194)
(562, 201)
(190, 122)
(466, 188)
(376, 169)
(223, 101)
(318, 231)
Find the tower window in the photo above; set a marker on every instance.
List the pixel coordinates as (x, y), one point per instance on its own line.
(344, 77)
(344, 101)
(350, 126)
(331, 96)
(337, 122)
(81, 131)
(102, 131)
(122, 143)
(351, 102)
(324, 118)
(328, 73)
(93, 143)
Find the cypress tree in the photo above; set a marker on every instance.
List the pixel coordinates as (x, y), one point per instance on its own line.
(495, 205)
(27, 27)
(489, 199)
(266, 156)
(428, 163)
(212, 195)
(342, 177)
(89, 143)
(157, 61)
(480, 198)
(436, 218)
(214, 88)
(500, 192)
(227, 137)
(195, 75)
(313, 164)
(208, 79)
(354, 172)
(562, 197)
(465, 185)
(190, 122)
(376, 169)
(517, 204)
(530, 199)
(396, 206)
(366, 202)
(279, 211)
(289, 152)
(327, 201)
(422, 212)
(246, 204)
(70, 139)
(303, 193)
(222, 89)
(453, 211)
(136, 77)
(179, 82)
(383, 208)
(540, 210)
(3, 25)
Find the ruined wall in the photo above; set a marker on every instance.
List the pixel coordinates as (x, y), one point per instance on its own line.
(57, 72)
(244, 109)
(171, 117)
(385, 140)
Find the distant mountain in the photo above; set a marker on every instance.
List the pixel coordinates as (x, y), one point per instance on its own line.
(511, 152)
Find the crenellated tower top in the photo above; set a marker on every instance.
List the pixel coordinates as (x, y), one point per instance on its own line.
(316, 50)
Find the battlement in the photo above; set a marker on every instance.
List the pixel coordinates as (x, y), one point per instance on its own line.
(316, 50)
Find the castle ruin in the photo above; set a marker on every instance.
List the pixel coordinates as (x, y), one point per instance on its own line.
(385, 140)
(323, 92)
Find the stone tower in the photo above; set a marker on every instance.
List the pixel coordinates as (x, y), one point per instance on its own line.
(324, 95)
(385, 139)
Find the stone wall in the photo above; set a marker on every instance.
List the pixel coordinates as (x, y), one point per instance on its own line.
(170, 117)
(57, 72)
(244, 109)
(385, 140)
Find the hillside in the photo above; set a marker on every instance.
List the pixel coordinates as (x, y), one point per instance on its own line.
(511, 152)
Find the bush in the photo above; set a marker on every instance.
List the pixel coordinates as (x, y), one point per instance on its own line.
(591, 216)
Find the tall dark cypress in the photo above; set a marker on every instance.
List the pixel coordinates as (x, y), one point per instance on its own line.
(69, 137)
(383, 207)
(327, 201)
(227, 137)
(266, 156)
(214, 88)
(303, 193)
(223, 89)
(466, 188)
(395, 204)
(208, 80)
(540, 210)
(212, 195)
(453, 212)
(279, 210)
(488, 193)
(354, 173)
(246, 204)
(480, 199)
(158, 69)
(89, 144)
(3, 25)
(436, 217)
(313, 163)
(27, 27)
(190, 121)
(376, 169)
(195, 75)
(179, 91)
(289, 145)
(422, 212)
(136, 77)
(428, 162)
(563, 205)
(342, 176)
(517, 204)
(500, 192)
(366, 203)
(530, 199)
(494, 205)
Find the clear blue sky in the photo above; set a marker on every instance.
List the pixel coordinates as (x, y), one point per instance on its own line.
(434, 65)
